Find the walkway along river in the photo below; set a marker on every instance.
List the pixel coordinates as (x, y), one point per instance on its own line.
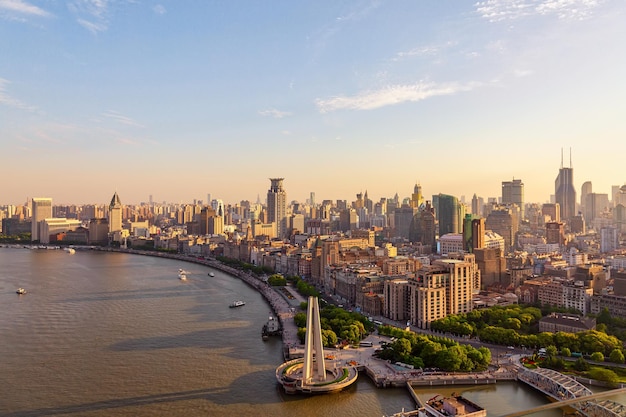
(381, 372)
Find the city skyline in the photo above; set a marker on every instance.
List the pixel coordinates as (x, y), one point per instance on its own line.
(466, 198)
(163, 99)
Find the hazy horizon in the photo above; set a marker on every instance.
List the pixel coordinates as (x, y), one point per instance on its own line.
(178, 100)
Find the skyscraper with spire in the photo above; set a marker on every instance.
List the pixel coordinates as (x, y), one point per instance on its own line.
(564, 191)
(115, 214)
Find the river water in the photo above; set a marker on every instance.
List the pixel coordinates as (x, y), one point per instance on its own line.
(101, 334)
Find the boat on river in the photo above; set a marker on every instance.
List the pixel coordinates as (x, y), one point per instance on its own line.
(237, 303)
(271, 328)
(211, 274)
(20, 291)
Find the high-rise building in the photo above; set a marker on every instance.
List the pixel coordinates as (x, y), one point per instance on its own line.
(448, 213)
(552, 210)
(417, 199)
(513, 193)
(595, 205)
(423, 229)
(555, 233)
(277, 206)
(585, 190)
(477, 205)
(564, 191)
(442, 289)
(41, 210)
(609, 239)
(403, 217)
(504, 221)
(115, 214)
(473, 232)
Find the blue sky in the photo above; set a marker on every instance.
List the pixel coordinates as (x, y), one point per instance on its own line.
(177, 99)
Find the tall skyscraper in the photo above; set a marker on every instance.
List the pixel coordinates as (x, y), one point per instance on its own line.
(115, 214)
(477, 205)
(417, 199)
(585, 190)
(473, 232)
(277, 206)
(564, 191)
(41, 209)
(513, 193)
(448, 213)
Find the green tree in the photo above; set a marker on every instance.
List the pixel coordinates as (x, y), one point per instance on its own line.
(616, 356)
(329, 338)
(581, 365)
(277, 280)
(300, 319)
(301, 334)
(602, 374)
(566, 352)
(604, 316)
(513, 323)
(597, 357)
(451, 359)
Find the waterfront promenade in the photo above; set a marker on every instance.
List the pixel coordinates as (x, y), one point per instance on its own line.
(286, 302)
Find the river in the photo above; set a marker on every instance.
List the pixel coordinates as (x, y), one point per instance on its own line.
(101, 334)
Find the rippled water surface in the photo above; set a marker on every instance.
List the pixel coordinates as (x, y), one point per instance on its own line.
(101, 334)
(109, 334)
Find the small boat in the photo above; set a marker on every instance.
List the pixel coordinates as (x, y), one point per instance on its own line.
(182, 277)
(237, 303)
(71, 251)
(271, 328)
(20, 291)
(211, 274)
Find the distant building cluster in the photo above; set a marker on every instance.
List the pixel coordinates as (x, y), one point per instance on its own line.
(409, 259)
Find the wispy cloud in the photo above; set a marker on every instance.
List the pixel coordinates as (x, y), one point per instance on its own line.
(22, 8)
(120, 118)
(7, 100)
(498, 10)
(427, 50)
(276, 114)
(91, 14)
(391, 95)
(159, 9)
(95, 15)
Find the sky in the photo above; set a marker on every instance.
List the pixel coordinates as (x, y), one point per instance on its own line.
(184, 98)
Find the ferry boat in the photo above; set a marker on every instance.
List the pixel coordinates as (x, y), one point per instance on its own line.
(237, 303)
(271, 328)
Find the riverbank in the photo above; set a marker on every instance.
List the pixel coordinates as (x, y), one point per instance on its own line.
(382, 373)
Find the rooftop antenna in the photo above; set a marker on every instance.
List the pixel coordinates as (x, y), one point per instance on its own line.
(570, 158)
